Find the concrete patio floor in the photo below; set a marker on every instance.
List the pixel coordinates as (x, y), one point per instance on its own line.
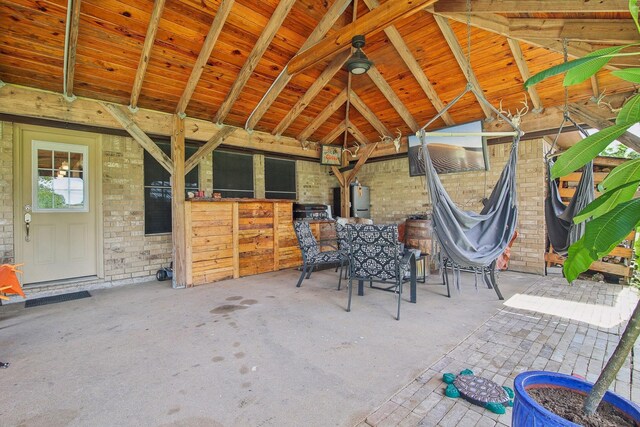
(254, 351)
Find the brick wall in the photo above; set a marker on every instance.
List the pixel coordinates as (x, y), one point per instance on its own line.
(128, 254)
(314, 183)
(7, 253)
(395, 195)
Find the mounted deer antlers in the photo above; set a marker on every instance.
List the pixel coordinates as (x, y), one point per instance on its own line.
(517, 117)
(396, 140)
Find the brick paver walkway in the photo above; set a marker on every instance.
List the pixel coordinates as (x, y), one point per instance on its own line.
(553, 326)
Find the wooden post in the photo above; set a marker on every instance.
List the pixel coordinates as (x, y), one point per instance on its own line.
(236, 239)
(178, 232)
(345, 199)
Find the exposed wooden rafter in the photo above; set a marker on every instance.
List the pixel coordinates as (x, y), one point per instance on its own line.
(501, 25)
(122, 116)
(72, 44)
(336, 132)
(261, 45)
(213, 143)
(325, 24)
(403, 50)
(149, 39)
(589, 30)
(524, 6)
(391, 96)
(357, 134)
(205, 53)
(366, 112)
(324, 78)
(598, 120)
(516, 51)
(323, 116)
(463, 62)
(364, 156)
(369, 24)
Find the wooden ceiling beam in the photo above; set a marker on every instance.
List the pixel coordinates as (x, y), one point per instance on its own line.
(357, 134)
(403, 50)
(500, 25)
(596, 119)
(516, 51)
(261, 45)
(393, 99)
(336, 132)
(208, 148)
(120, 114)
(71, 39)
(525, 6)
(325, 24)
(371, 23)
(462, 60)
(149, 39)
(368, 114)
(323, 116)
(46, 105)
(212, 37)
(366, 153)
(324, 78)
(588, 30)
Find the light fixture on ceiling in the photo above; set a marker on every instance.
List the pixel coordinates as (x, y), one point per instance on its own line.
(358, 63)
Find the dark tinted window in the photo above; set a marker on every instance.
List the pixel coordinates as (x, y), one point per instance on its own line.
(157, 190)
(279, 178)
(233, 174)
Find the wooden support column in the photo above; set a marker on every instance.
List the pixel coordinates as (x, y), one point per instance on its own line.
(178, 232)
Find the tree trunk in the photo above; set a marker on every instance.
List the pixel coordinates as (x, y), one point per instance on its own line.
(614, 364)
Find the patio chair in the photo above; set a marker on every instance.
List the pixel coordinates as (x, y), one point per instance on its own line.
(375, 255)
(311, 254)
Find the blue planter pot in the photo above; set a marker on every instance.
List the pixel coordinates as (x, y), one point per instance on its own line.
(527, 412)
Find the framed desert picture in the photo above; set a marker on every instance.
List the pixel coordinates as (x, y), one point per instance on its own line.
(331, 155)
(453, 153)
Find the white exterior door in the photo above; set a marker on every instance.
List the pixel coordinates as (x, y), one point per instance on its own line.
(56, 216)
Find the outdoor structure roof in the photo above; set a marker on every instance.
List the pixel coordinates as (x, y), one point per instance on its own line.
(268, 66)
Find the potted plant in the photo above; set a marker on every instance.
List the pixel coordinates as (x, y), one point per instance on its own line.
(610, 219)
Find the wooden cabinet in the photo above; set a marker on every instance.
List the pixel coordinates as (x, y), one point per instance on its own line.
(231, 238)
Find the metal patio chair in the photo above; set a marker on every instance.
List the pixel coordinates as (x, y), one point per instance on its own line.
(311, 254)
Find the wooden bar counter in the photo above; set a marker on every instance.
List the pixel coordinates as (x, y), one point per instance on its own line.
(231, 238)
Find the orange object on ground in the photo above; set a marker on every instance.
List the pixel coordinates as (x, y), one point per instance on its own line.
(9, 283)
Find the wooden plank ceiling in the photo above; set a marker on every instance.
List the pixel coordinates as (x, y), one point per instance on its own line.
(217, 59)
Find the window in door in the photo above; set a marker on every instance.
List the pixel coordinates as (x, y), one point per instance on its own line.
(60, 177)
(157, 190)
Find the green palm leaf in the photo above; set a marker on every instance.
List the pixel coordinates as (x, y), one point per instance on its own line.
(604, 233)
(630, 112)
(582, 152)
(578, 260)
(626, 172)
(630, 74)
(607, 201)
(555, 70)
(583, 71)
(601, 236)
(633, 8)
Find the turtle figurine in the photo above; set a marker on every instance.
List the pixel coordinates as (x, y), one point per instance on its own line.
(479, 391)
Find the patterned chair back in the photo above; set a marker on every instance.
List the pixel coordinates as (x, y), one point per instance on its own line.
(306, 240)
(375, 251)
(341, 236)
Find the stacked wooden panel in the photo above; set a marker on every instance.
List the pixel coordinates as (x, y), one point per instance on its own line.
(232, 238)
(255, 237)
(211, 248)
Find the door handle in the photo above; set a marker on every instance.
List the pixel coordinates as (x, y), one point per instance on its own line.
(27, 224)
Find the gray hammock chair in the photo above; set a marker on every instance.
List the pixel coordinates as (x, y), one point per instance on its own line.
(470, 240)
(561, 230)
